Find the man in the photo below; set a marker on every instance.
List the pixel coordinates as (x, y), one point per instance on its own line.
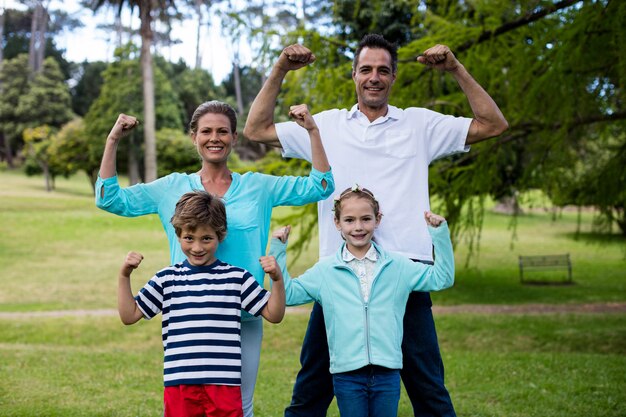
(387, 150)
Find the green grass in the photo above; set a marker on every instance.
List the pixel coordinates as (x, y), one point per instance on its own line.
(569, 365)
(58, 252)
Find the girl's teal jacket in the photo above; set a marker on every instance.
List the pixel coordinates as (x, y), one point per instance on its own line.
(359, 333)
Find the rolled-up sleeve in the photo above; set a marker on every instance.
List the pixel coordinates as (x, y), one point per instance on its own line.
(297, 191)
(136, 200)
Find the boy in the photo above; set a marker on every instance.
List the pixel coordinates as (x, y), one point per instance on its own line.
(201, 301)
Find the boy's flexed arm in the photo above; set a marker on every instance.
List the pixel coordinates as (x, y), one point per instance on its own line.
(274, 310)
(260, 123)
(126, 305)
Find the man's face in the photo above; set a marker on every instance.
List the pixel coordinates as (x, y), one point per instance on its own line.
(373, 77)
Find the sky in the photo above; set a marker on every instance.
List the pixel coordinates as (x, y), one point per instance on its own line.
(91, 44)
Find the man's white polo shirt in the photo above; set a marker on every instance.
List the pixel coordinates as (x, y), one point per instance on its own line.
(390, 157)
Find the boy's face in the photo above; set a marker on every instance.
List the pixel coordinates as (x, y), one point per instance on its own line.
(200, 245)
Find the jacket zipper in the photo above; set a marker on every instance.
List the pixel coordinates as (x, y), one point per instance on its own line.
(368, 347)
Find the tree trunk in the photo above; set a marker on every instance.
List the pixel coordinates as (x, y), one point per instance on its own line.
(33, 37)
(133, 164)
(2, 35)
(508, 205)
(43, 27)
(5, 146)
(46, 175)
(149, 132)
(119, 28)
(198, 7)
(36, 46)
(237, 82)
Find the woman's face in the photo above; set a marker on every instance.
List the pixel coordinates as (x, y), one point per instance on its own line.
(213, 139)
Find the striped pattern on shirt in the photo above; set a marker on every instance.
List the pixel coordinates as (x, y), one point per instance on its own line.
(201, 328)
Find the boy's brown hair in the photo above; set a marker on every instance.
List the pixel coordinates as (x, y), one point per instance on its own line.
(199, 208)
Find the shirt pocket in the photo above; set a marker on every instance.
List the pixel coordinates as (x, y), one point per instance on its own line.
(400, 143)
(243, 216)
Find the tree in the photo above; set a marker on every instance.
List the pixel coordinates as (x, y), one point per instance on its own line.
(122, 93)
(251, 81)
(36, 47)
(48, 99)
(193, 87)
(198, 7)
(14, 75)
(176, 152)
(4, 148)
(17, 36)
(68, 148)
(556, 69)
(147, 9)
(37, 142)
(393, 19)
(42, 110)
(87, 88)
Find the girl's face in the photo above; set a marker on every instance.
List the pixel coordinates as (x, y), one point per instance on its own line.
(213, 139)
(357, 223)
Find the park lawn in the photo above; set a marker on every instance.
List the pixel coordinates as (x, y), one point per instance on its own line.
(75, 251)
(503, 365)
(59, 252)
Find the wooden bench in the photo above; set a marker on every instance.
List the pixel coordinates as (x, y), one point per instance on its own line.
(544, 263)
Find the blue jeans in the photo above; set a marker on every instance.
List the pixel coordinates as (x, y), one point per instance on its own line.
(422, 372)
(372, 391)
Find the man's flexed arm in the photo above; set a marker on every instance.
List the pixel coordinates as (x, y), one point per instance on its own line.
(260, 123)
(488, 119)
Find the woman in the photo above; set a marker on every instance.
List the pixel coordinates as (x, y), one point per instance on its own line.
(249, 199)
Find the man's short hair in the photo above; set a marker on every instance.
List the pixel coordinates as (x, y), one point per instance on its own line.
(375, 40)
(199, 208)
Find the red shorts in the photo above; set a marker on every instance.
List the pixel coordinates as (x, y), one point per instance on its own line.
(203, 400)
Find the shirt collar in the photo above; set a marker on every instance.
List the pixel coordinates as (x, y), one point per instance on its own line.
(392, 112)
(371, 255)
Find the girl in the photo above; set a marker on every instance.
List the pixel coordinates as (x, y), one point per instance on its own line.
(363, 291)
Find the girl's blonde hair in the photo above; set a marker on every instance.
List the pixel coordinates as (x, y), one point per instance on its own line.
(357, 192)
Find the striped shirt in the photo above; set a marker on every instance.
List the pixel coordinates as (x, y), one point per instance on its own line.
(201, 313)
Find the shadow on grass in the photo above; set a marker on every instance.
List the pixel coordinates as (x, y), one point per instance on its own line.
(596, 238)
